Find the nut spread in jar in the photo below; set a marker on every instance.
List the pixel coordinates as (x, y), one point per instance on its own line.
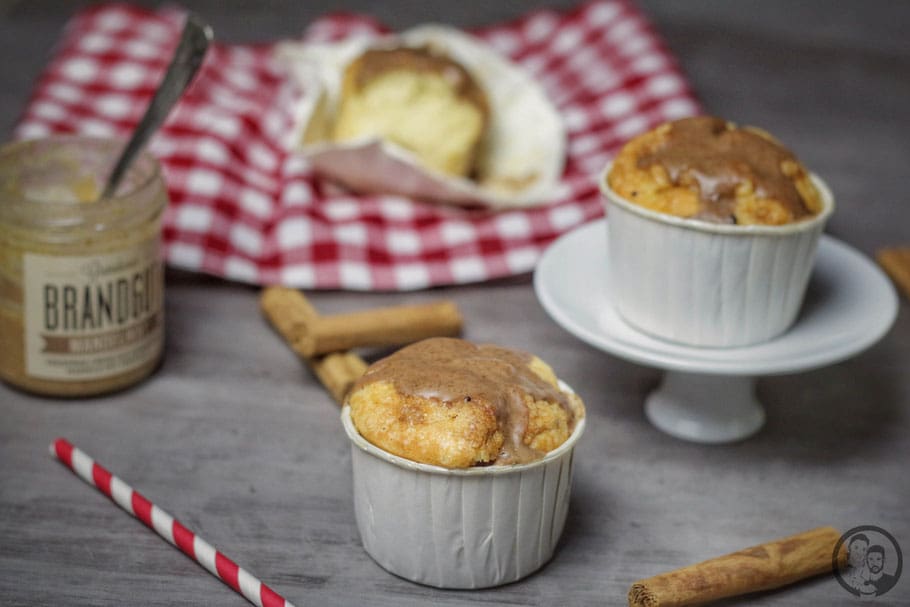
(81, 280)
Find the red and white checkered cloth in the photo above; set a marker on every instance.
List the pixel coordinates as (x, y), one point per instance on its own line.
(245, 208)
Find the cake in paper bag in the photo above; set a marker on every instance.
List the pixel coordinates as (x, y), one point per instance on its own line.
(432, 113)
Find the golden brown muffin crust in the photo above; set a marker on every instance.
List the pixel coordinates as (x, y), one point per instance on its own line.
(452, 403)
(707, 168)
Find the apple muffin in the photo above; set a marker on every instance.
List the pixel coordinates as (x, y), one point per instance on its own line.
(451, 403)
(709, 169)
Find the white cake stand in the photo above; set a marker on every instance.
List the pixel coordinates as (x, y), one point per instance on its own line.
(708, 394)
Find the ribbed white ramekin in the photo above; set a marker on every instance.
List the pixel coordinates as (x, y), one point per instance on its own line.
(459, 528)
(706, 284)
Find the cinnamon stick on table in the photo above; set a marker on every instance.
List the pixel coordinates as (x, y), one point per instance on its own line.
(896, 262)
(287, 310)
(312, 334)
(761, 567)
(379, 327)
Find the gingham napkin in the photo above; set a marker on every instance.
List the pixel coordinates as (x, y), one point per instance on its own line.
(245, 208)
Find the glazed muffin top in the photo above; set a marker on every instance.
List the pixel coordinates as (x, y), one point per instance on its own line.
(709, 169)
(451, 403)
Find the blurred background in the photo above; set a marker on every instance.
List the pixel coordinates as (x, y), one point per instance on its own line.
(829, 78)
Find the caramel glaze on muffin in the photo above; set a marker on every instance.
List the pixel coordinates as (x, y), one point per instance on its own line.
(707, 168)
(452, 403)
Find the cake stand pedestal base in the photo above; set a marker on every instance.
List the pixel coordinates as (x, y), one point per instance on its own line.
(706, 408)
(708, 394)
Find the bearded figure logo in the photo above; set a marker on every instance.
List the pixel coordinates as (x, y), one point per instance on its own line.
(874, 561)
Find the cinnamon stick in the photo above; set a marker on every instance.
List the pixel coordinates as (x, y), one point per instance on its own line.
(338, 371)
(312, 334)
(896, 262)
(379, 327)
(289, 311)
(761, 567)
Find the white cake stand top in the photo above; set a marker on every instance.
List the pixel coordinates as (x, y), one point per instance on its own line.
(850, 304)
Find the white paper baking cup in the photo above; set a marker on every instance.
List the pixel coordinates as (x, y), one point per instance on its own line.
(459, 528)
(706, 284)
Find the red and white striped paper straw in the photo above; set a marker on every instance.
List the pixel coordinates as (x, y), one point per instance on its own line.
(166, 526)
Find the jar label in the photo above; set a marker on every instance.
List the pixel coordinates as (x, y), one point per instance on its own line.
(91, 317)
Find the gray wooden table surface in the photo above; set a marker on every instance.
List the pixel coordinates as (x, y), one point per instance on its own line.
(234, 436)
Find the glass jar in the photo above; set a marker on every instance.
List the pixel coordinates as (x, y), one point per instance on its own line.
(81, 279)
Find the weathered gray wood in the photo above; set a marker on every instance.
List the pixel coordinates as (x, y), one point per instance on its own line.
(234, 437)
